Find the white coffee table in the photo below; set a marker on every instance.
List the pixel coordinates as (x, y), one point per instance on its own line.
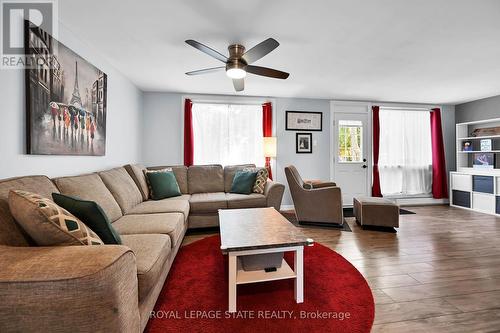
(259, 231)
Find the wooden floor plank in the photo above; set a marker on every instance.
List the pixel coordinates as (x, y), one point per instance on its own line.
(476, 302)
(395, 312)
(470, 322)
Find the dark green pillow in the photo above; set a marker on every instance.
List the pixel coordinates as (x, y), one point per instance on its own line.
(163, 185)
(91, 214)
(243, 182)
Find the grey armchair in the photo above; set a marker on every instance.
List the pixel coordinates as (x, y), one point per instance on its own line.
(318, 203)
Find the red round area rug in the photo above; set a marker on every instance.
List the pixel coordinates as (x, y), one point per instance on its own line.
(195, 296)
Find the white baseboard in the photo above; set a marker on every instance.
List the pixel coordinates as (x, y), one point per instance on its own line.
(401, 201)
(421, 201)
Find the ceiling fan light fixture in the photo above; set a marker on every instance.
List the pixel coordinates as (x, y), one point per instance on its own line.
(236, 73)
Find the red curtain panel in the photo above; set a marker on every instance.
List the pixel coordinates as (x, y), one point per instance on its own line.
(267, 128)
(188, 133)
(376, 192)
(439, 180)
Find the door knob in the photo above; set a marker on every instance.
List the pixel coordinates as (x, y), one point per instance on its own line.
(365, 166)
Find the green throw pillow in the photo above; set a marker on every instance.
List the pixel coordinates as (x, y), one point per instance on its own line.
(163, 185)
(243, 182)
(91, 214)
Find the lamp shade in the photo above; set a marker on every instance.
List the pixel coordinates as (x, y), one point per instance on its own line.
(270, 146)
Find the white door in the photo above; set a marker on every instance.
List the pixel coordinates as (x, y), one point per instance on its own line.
(351, 153)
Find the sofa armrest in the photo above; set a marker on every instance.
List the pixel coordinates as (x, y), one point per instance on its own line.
(68, 289)
(274, 194)
(312, 184)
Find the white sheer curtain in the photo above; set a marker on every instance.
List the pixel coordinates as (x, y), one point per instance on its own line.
(405, 161)
(228, 134)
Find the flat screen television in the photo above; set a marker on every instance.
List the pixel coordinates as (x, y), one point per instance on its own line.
(484, 161)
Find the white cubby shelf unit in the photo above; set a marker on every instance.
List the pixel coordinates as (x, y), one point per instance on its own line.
(476, 188)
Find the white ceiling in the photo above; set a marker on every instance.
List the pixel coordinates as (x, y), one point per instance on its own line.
(420, 51)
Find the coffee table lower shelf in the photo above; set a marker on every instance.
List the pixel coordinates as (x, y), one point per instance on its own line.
(284, 272)
(239, 276)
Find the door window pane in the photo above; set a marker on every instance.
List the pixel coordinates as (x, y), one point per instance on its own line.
(350, 141)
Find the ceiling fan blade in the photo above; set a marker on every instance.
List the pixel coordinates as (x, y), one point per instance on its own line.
(239, 84)
(206, 70)
(264, 71)
(207, 50)
(260, 50)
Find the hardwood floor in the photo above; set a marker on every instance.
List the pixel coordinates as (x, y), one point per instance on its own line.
(439, 273)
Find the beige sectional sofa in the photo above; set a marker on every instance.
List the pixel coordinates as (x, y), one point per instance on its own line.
(109, 288)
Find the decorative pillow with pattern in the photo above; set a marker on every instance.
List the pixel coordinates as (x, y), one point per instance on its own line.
(260, 180)
(146, 171)
(47, 223)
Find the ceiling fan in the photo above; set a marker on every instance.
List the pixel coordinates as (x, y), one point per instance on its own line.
(238, 63)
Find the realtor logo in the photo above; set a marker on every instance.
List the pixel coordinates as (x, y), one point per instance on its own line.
(41, 13)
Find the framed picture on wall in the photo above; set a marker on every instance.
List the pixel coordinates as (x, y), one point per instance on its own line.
(303, 143)
(304, 121)
(66, 99)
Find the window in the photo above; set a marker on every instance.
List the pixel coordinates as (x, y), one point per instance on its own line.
(350, 141)
(405, 160)
(227, 134)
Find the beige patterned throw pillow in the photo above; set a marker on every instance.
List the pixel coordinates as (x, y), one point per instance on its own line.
(260, 180)
(47, 223)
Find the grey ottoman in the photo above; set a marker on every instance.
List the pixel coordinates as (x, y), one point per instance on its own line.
(371, 211)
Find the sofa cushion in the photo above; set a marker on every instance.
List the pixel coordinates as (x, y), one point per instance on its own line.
(90, 213)
(47, 223)
(90, 187)
(123, 188)
(10, 232)
(205, 179)
(162, 184)
(230, 171)
(253, 200)
(207, 202)
(136, 171)
(181, 174)
(171, 224)
(169, 205)
(151, 253)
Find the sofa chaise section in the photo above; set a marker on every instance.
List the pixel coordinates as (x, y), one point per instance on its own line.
(48, 289)
(38, 285)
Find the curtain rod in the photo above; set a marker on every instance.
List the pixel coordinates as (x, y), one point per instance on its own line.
(405, 108)
(224, 102)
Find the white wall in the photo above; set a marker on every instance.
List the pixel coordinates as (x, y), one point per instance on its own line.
(123, 132)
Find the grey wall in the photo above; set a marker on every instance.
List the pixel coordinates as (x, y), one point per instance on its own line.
(163, 120)
(449, 129)
(310, 166)
(481, 109)
(124, 123)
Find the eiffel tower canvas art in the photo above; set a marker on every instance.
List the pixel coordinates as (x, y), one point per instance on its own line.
(65, 99)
